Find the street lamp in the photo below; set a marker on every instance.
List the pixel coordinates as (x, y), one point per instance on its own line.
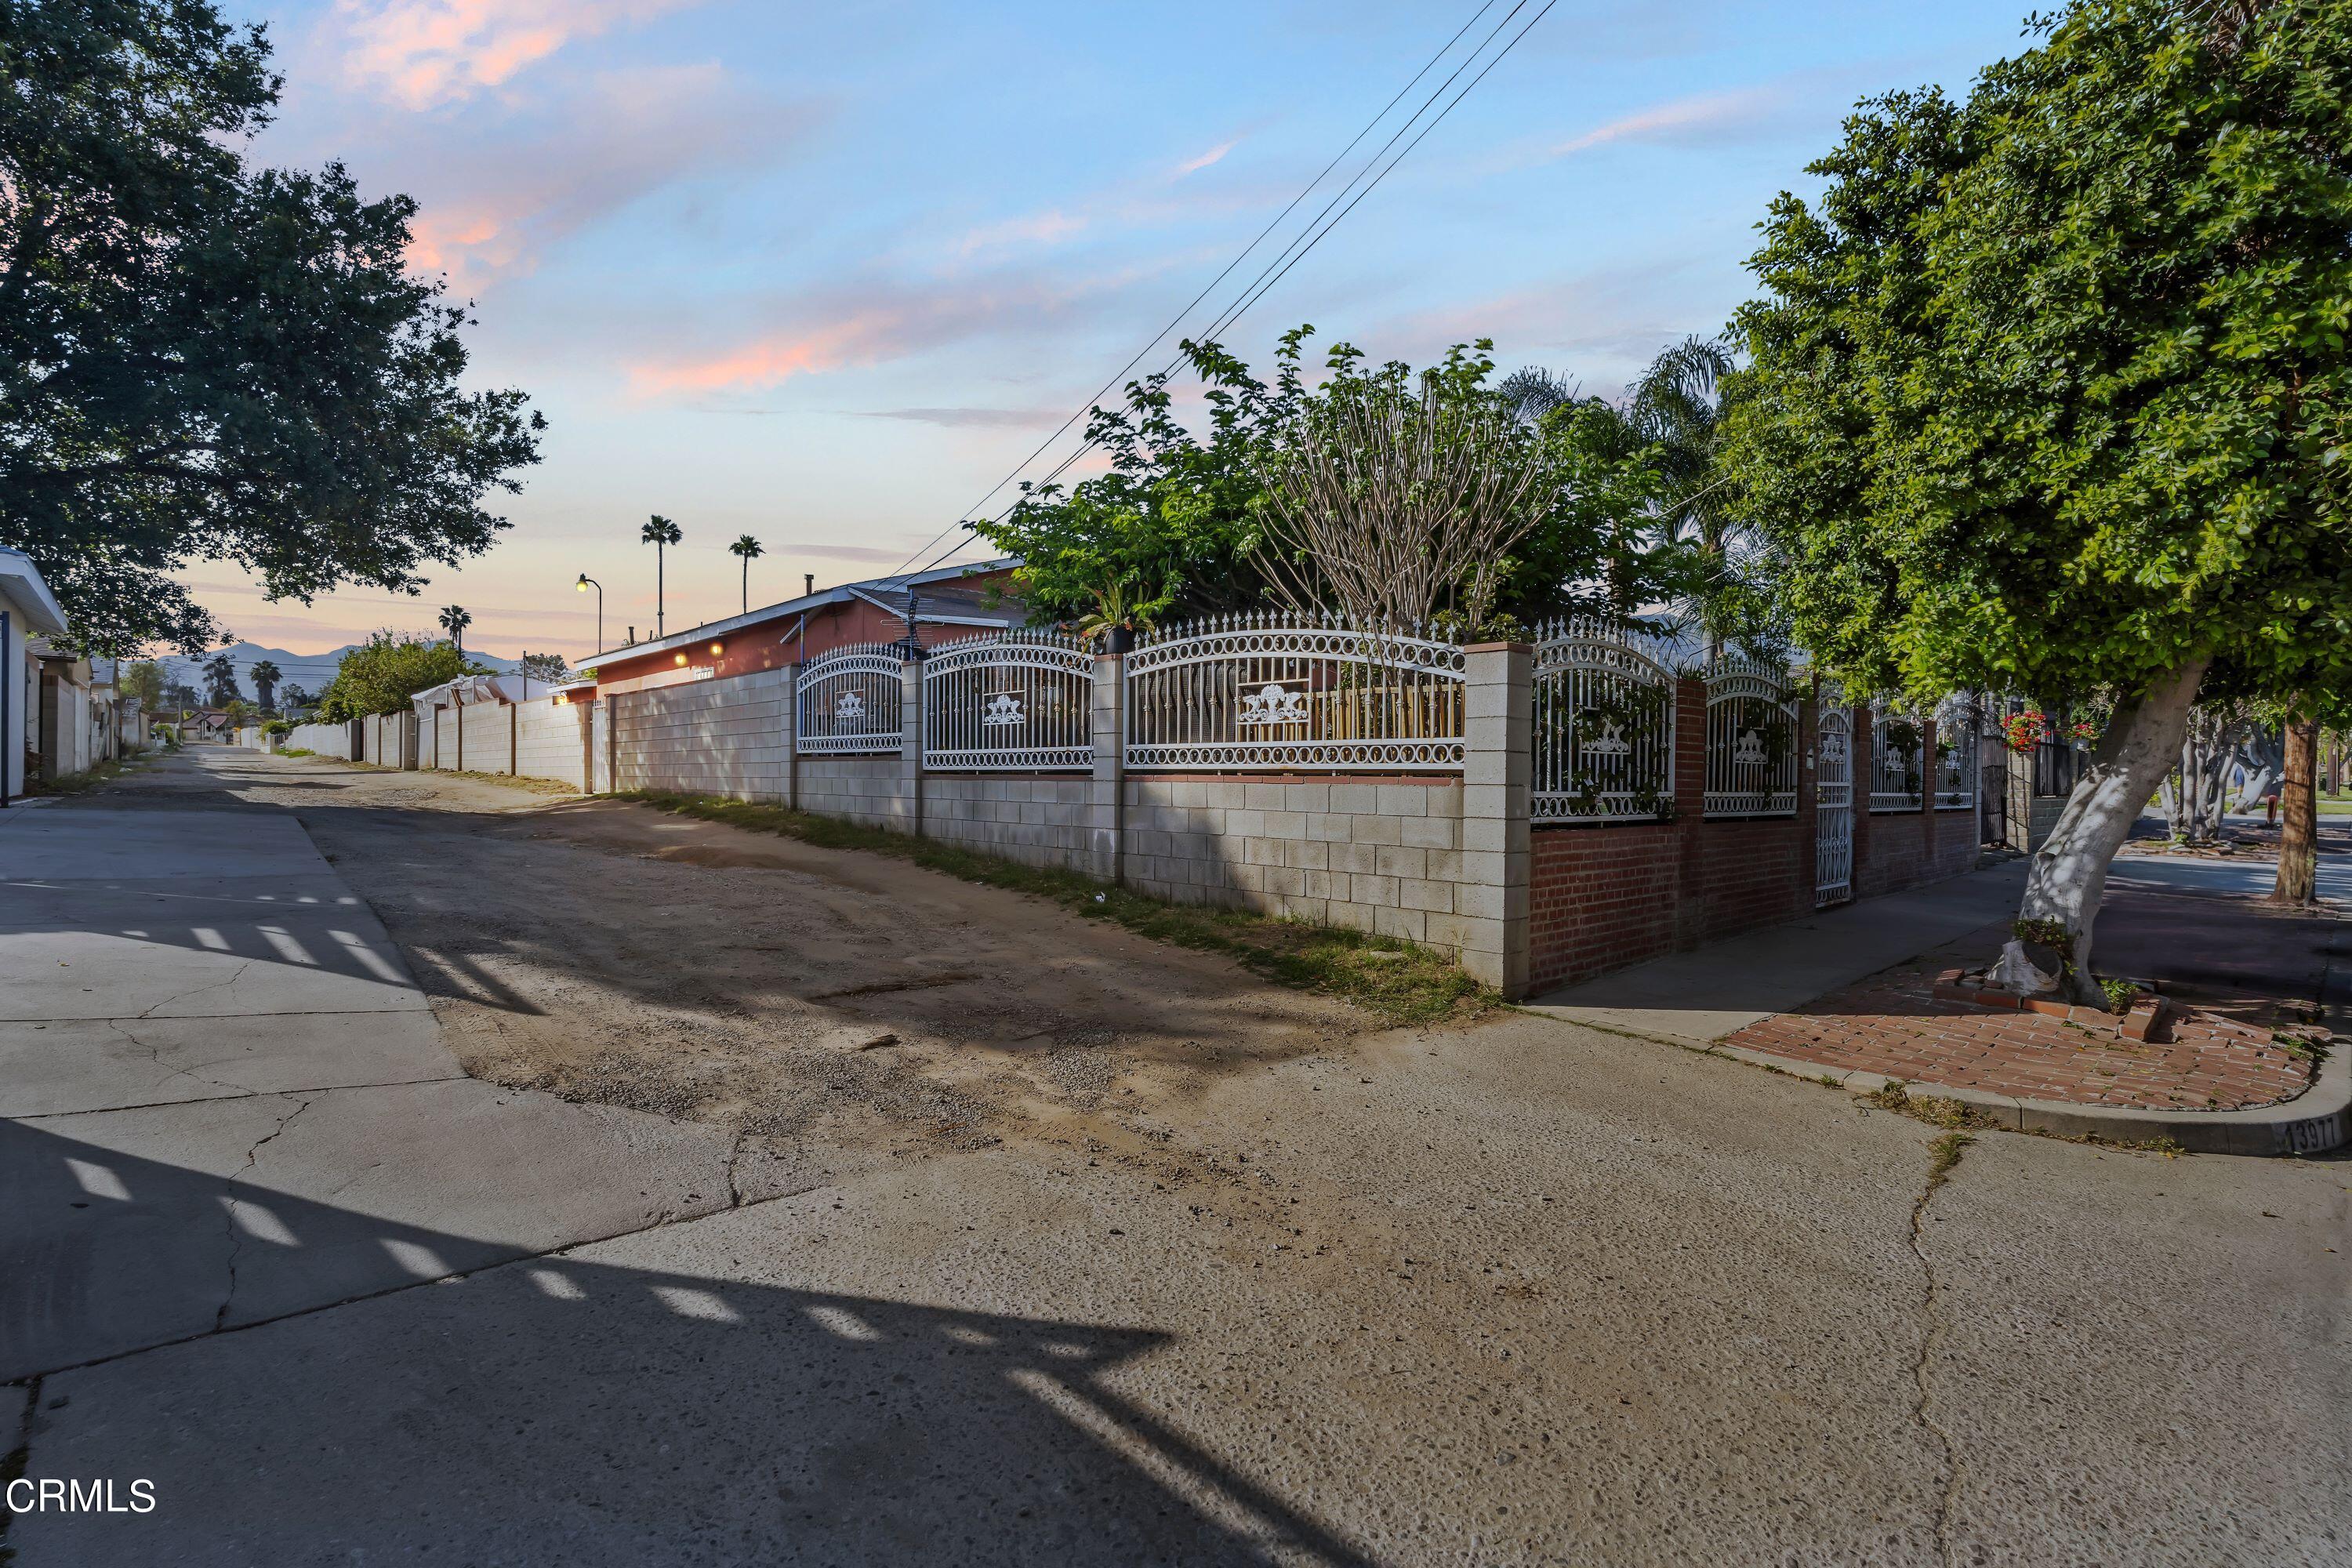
(586, 583)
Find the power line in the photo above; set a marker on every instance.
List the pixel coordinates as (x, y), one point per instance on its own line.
(1174, 320)
(1259, 287)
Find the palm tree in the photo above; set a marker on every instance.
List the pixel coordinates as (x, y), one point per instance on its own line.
(220, 681)
(265, 681)
(455, 620)
(658, 531)
(748, 549)
(1678, 407)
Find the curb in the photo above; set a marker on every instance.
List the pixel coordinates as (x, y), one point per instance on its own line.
(2312, 1122)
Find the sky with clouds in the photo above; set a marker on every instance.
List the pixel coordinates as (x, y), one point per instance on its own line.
(823, 273)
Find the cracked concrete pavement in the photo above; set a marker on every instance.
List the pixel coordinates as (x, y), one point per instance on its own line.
(1522, 1293)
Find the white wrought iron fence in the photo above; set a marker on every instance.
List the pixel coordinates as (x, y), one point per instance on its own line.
(1958, 717)
(1897, 770)
(849, 701)
(1603, 724)
(1751, 740)
(1271, 690)
(1015, 699)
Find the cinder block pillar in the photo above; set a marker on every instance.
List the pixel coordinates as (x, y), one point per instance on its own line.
(1493, 897)
(793, 736)
(1106, 808)
(910, 741)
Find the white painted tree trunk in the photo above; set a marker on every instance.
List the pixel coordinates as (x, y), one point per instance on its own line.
(2069, 875)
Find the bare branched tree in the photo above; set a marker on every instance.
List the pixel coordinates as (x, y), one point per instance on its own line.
(1390, 506)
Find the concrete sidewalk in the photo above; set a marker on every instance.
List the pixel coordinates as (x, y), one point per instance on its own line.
(1700, 996)
(205, 1034)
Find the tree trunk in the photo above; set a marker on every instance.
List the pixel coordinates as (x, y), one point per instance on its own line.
(2069, 875)
(2298, 865)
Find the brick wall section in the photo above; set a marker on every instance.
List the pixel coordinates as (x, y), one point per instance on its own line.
(1604, 896)
(1756, 872)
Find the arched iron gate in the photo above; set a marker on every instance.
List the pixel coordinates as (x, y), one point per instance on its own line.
(1833, 804)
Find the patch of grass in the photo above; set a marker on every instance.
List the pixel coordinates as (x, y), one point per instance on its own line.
(82, 782)
(296, 751)
(1400, 981)
(512, 781)
(1936, 1110)
(1944, 1157)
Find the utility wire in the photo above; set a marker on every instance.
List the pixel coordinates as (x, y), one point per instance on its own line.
(1258, 287)
(1190, 305)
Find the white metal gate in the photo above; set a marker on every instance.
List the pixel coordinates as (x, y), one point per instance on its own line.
(1833, 801)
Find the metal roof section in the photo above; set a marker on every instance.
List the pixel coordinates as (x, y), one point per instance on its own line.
(841, 594)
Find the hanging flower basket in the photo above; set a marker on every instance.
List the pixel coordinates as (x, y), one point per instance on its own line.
(2022, 732)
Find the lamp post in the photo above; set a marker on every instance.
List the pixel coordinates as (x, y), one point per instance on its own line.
(586, 583)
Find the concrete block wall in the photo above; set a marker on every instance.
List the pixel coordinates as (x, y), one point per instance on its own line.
(874, 790)
(1042, 820)
(444, 741)
(551, 740)
(1381, 855)
(325, 739)
(731, 736)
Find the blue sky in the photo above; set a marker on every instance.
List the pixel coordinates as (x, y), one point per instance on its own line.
(823, 273)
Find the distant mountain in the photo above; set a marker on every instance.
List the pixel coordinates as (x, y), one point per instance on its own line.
(310, 671)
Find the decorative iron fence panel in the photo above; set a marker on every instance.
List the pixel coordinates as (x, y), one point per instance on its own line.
(1958, 719)
(1751, 740)
(1897, 778)
(1015, 699)
(1273, 690)
(1832, 802)
(849, 702)
(1603, 725)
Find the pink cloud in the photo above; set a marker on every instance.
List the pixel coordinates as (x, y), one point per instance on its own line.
(769, 360)
(1700, 119)
(423, 53)
(1194, 165)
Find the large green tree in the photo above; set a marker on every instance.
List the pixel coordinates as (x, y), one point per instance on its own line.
(201, 359)
(2048, 388)
(1177, 527)
(379, 676)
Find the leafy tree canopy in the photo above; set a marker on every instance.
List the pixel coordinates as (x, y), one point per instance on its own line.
(200, 359)
(379, 676)
(1177, 527)
(143, 680)
(2049, 390)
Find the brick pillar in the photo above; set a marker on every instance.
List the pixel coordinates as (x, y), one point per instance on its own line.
(1106, 808)
(1807, 741)
(1690, 809)
(1493, 898)
(1928, 780)
(1859, 716)
(910, 741)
